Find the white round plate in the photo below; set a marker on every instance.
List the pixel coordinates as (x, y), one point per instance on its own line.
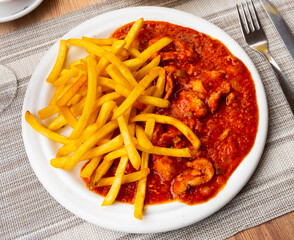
(14, 9)
(67, 187)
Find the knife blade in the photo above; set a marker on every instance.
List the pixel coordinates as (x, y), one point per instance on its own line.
(281, 26)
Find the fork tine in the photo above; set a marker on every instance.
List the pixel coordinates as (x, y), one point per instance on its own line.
(245, 17)
(256, 16)
(241, 21)
(250, 17)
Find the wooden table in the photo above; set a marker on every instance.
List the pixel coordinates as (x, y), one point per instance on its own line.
(277, 229)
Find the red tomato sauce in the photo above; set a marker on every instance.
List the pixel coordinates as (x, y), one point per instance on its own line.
(214, 94)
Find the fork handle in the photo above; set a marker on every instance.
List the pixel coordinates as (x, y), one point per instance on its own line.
(283, 81)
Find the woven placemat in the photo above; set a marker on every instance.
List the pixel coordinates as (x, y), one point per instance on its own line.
(27, 211)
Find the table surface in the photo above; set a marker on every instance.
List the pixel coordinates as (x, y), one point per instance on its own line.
(279, 228)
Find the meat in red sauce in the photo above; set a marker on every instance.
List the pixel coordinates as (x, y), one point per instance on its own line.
(212, 92)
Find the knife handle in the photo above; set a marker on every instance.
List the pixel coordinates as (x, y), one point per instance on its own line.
(283, 81)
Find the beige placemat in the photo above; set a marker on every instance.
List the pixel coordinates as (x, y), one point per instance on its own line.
(27, 211)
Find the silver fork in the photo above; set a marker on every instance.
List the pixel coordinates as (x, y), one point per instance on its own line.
(256, 39)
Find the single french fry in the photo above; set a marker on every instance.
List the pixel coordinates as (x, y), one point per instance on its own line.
(143, 84)
(172, 152)
(99, 173)
(154, 101)
(134, 52)
(118, 47)
(82, 67)
(76, 98)
(142, 137)
(57, 123)
(123, 55)
(154, 48)
(47, 112)
(116, 75)
(190, 135)
(105, 98)
(107, 48)
(64, 71)
(72, 91)
(56, 70)
(33, 122)
(91, 96)
(90, 167)
(141, 189)
(110, 146)
(135, 63)
(160, 84)
(104, 113)
(146, 69)
(66, 77)
(122, 90)
(133, 32)
(93, 117)
(78, 62)
(100, 41)
(105, 140)
(101, 66)
(106, 82)
(56, 95)
(116, 154)
(132, 125)
(132, 151)
(67, 149)
(59, 162)
(113, 191)
(149, 128)
(68, 116)
(127, 178)
(149, 91)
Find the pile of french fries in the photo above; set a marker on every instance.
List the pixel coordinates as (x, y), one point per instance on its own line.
(101, 93)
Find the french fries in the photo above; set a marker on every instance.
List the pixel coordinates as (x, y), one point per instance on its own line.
(90, 167)
(141, 189)
(63, 79)
(111, 195)
(129, 144)
(138, 90)
(99, 96)
(66, 97)
(191, 136)
(59, 62)
(142, 138)
(68, 116)
(43, 130)
(90, 98)
(133, 32)
(127, 178)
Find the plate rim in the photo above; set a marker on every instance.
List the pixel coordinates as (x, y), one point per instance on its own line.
(134, 226)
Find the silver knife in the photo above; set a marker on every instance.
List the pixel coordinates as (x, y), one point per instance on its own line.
(280, 24)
